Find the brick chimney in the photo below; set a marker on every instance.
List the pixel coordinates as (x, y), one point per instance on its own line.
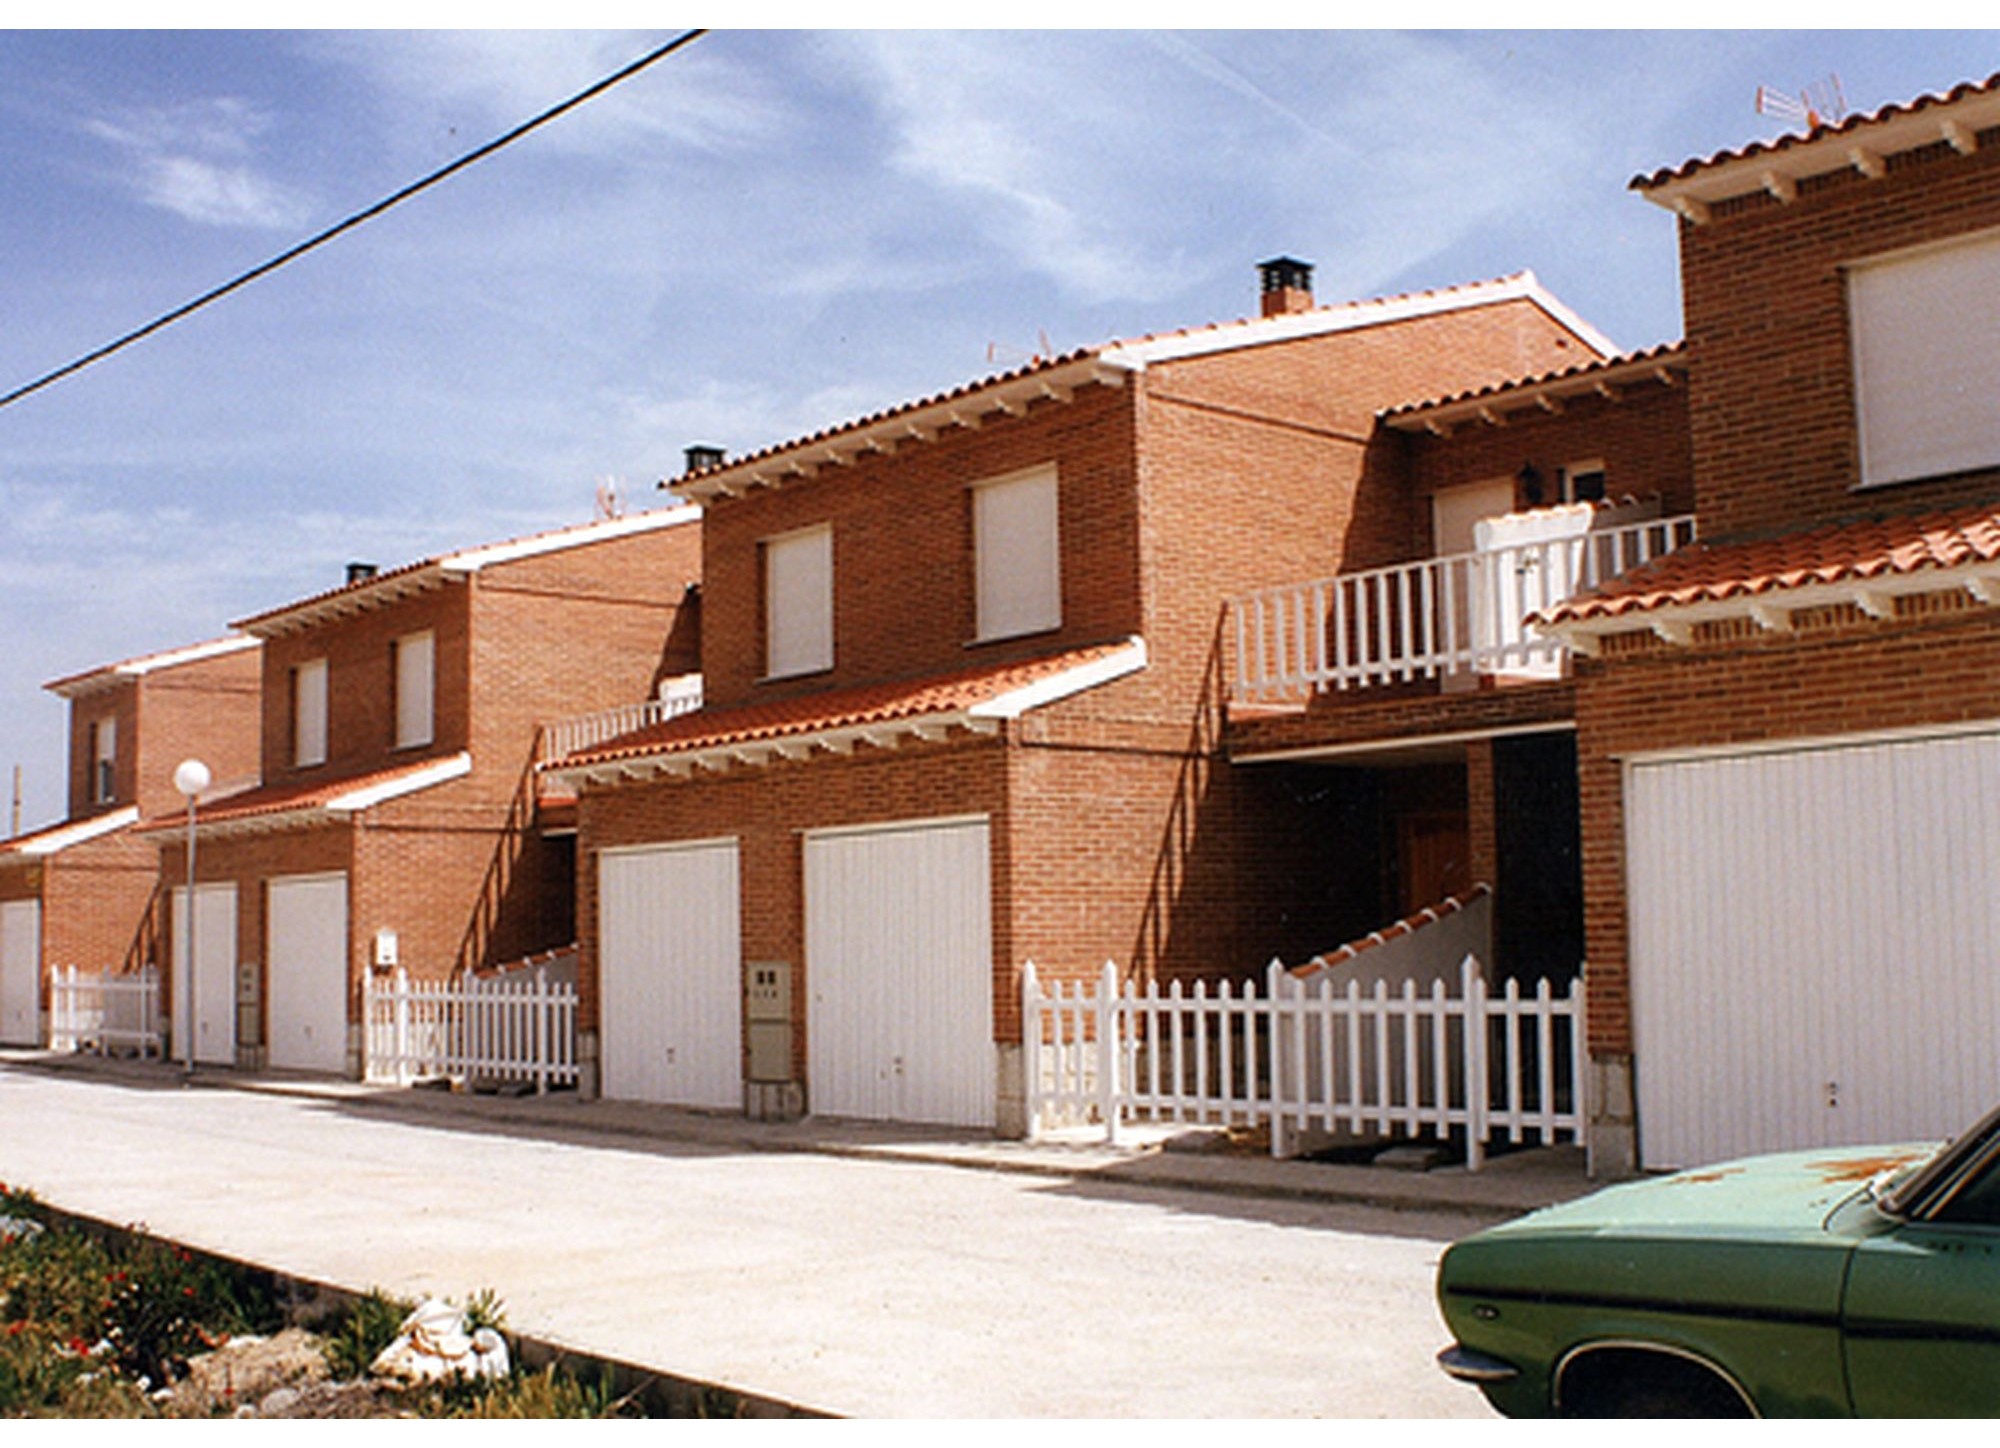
(1286, 285)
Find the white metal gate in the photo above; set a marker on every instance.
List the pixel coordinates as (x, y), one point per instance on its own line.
(307, 971)
(670, 974)
(899, 965)
(1815, 944)
(214, 974)
(20, 972)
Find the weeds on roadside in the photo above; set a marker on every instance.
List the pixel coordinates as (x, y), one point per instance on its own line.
(354, 1339)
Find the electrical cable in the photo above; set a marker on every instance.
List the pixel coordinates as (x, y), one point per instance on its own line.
(311, 243)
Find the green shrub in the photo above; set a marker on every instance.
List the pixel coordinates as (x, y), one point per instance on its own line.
(356, 1338)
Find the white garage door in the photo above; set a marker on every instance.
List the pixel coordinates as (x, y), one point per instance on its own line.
(1815, 940)
(214, 976)
(20, 972)
(899, 962)
(306, 967)
(670, 974)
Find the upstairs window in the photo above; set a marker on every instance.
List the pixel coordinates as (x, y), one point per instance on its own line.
(1583, 482)
(415, 657)
(309, 713)
(1017, 557)
(1926, 334)
(104, 761)
(798, 603)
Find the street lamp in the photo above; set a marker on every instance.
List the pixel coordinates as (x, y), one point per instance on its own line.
(191, 777)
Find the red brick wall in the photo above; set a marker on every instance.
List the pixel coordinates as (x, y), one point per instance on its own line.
(361, 718)
(1773, 406)
(902, 551)
(118, 703)
(1642, 438)
(1841, 680)
(207, 710)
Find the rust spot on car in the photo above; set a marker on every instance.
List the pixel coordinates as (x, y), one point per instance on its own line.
(1861, 1168)
(1698, 1178)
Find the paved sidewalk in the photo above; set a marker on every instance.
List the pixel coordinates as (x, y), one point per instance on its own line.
(841, 1266)
(1509, 1185)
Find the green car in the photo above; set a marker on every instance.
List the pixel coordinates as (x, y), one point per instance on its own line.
(1817, 1283)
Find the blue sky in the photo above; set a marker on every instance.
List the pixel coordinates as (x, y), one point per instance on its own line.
(765, 234)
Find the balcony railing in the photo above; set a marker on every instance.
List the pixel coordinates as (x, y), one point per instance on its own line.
(1459, 616)
(586, 731)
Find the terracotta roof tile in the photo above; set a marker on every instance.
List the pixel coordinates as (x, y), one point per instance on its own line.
(1663, 354)
(1846, 552)
(859, 705)
(295, 795)
(1682, 172)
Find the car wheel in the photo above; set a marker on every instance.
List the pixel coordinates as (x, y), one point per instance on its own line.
(1636, 1383)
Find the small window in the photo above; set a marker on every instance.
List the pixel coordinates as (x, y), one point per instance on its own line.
(309, 713)
(1017, 555)
(1584, 482)
(1926, 338)
(415, 658)
(798, 603)
(104, 761)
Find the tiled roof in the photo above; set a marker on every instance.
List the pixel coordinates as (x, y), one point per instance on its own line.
(993, 690)
(1408, 925)
(391, 583)
(1109, 362)
(57, 838)
(1582, 377)
(344, 795)
(71, 685)
(1863, 551)
(1858, 143)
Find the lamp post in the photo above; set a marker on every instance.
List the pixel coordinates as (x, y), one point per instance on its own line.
(191, 777)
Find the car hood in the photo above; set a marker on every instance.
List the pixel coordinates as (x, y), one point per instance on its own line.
(1789, 1193)
(1758, 1234)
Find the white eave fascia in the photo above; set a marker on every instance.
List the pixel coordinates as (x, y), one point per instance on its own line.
(1546, 394)
(456, 766)
(1128, 659)
(471, 560)
(1779, 169)
(1771, 609)
(985, 717)
(1354, 316)
(77, 685)
(57, 840)
(923, 423)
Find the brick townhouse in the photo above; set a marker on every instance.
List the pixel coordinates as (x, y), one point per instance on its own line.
(396, 820)
(966, 668)
(82, 892)
(1789, 733)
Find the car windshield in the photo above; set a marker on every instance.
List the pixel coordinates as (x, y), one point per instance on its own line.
(1905, 1197)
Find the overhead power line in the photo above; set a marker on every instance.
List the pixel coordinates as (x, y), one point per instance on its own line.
(216, 294)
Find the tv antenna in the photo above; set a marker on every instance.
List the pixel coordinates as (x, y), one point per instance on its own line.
(1820, 104)
(997, 353)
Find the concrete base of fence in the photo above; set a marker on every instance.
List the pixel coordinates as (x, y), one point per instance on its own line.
(1010, 1091)
(773, 1100)
(1613, 1139)
(589, 1078)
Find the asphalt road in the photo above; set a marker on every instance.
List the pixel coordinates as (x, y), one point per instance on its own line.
(860, 1287)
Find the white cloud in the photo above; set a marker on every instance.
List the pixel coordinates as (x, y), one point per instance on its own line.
(197, 161)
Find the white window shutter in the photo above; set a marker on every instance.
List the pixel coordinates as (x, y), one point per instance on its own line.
(416, 668)
(798, 603)
(309, 713)
(1926, 330)
(1018, 553)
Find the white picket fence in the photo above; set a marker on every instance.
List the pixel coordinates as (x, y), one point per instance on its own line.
(1314, 1061)
(102, 1011)
(515, 1027)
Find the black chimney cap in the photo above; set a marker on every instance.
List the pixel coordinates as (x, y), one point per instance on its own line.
(361, 572)
(702, 456)
(1283, 273)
